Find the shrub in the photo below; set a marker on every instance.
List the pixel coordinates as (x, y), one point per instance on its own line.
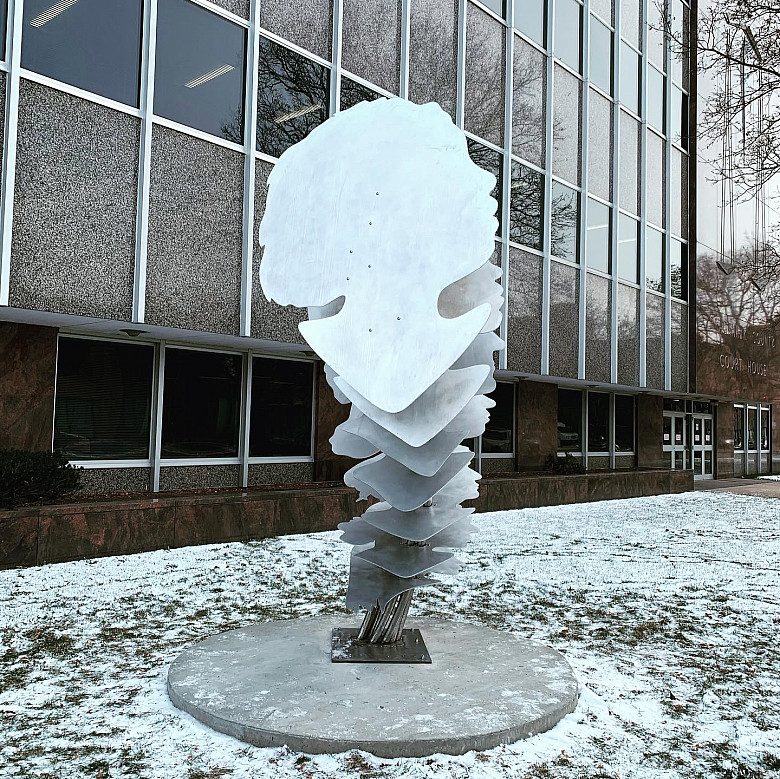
(34, 477)
(565, 465)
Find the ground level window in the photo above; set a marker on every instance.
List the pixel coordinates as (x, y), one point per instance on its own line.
(624, 423)
(103, 400)
(498, 437)
(569, 420)
(282, 402)
(201, 404)
(598, 422)
(764, 429)
(739, 427)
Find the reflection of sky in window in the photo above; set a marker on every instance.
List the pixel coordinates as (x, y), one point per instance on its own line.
(197, 47)
(292, 97)
(91, 44)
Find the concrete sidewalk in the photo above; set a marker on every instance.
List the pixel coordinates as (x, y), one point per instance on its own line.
(763, 488)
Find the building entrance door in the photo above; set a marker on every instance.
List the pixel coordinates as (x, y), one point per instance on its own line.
(675, 441)
(702, 449)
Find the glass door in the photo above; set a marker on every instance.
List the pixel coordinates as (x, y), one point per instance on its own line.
(675, 440)
(702, 449)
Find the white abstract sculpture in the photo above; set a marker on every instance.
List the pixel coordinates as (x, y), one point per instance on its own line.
(382, 226)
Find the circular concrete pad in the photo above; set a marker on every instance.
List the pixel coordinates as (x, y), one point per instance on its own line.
(273, 683)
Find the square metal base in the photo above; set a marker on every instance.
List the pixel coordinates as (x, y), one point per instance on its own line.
(345, 648)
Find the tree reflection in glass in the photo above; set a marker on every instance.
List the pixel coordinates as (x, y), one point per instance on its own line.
(292, 97)
(490, 160)
(565, 215)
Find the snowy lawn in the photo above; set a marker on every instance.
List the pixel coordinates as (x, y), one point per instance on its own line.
(668, 609)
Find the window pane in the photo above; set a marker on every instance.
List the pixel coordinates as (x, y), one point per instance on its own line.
(489, 160)
(92, 44)
(567, 107)
(530, 18)
(629, 78)
(655, 98)
(3, 26)
(199, 70)
(628, 230)
(751, 426)
(655, 35)
(654, 260)
(568, 37)
(292, 97)
(201, 404)
(624, 423)
(498, 437)
(765, 428)
(569, 420)
(739, 427)
(103, 400)
(529, 82)
(564, 222)
(353, 93)
(598, 244)
(679, 199)
(598, 422)
(600, 72)
(526, 213)
(484, 88)
(678, 125)
(656, 185)
(679, 269)
(282, 402)
(496, 6)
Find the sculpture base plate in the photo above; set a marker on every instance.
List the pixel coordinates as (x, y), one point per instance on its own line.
(345, 648)
(273, 683)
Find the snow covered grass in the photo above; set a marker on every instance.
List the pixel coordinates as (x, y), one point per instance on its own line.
(668, 609)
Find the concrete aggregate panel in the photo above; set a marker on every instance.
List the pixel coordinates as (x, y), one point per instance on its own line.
(598, 328)
(524, 337)
(628, 335)
(567, 141)
(655, 352)
(308, 25)
(194, 477)
(679, 347)
(105, 480)
(371, 41)
(280, 473)
(564, 319)
(600, 151)
(73, 245)
(269, 319)
(193, 277)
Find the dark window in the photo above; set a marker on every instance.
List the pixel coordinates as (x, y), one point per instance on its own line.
(752, 430)
(764, 429)
(628, 260)
(103, 400)
(3, 25)
(530, 19)
(672, 404)
(569, 420)
(292, 97)
(489, 160)
(654, 260)
(598, 422)
(568, 37)
(90, 44)
(353, 93)
(679, 270)
(701, 407)
(282, 398)
(624, 423)
(498, 437)
(739, 427)
(598, 244)
(199, 69)
(526, 214)
(564, 225)
(201, 404)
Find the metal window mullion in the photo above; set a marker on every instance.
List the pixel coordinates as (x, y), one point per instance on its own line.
(246, 418)
(460, 101)
(615, 213)
(668, 223)
(583, 225)
(250, 131)
(403, 90)
(146, 104)
(13, 57)
(335, 70)
(549, 96)
(157, 411)
(506, 189)
(585, 442)
(643, 203)
(611, 431)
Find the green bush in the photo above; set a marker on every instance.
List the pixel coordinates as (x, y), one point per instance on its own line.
(565, 465)
(34, 477)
